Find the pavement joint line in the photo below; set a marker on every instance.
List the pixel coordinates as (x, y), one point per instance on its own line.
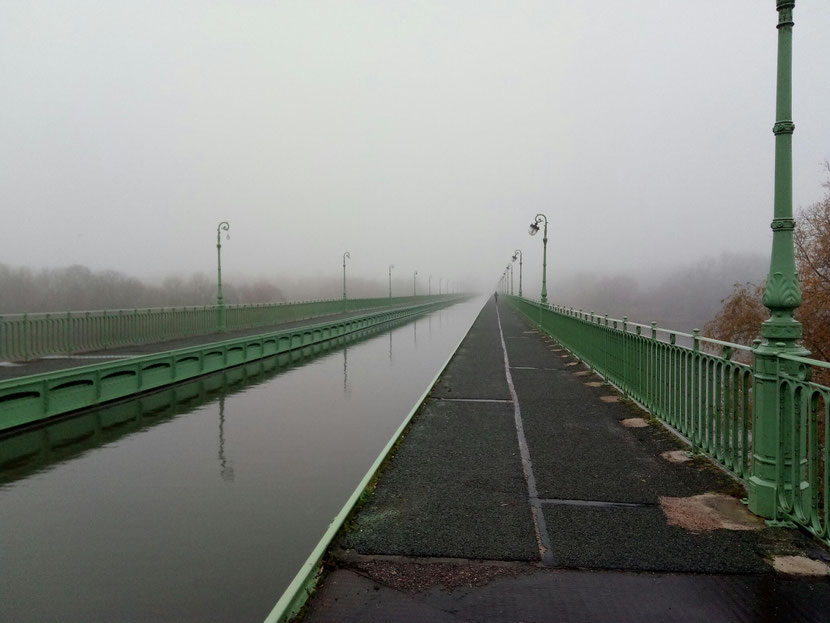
(352, 556)
(597, 503)
(499, 400)
(539, 525)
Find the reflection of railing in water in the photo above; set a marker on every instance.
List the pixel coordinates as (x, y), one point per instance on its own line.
(28, 399)
(59, 440)
(708, 398)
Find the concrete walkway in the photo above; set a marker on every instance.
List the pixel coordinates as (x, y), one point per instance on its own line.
(527, 490)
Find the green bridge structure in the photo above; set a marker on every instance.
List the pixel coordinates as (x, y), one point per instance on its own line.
(561, 466)
(579, 482)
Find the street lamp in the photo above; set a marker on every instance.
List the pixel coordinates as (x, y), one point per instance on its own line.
(440, 279)
(345, 255)
(415, 283)
(518, 254)
(429, 289)
(782, 295)
(220, 300)
(533, 230)
(510, 268)
(391, 266)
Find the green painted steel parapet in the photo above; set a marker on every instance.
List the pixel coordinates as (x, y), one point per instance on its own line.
(28, 399)
(782, 295)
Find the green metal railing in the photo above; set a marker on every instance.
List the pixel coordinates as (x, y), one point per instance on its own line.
(803, 466)
(28, 336)
(28, 399)
(708, 398)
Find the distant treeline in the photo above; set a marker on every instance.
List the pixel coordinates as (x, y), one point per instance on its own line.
(23, 289)
(79, 288)
(685, 299)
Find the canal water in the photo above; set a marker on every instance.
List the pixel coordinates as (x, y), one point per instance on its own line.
(200, 502)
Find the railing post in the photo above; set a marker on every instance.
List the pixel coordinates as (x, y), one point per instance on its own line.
(782, 295)
(26, 338)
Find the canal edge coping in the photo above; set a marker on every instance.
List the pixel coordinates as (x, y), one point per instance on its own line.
(299, 590)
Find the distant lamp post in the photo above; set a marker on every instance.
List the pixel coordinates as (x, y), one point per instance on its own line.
(518, 254)
(533, 230)
(391, 266)
(415, 283)
(221, 320)
(345, 255)
(440, 279)
(429, 287)
(510, 268)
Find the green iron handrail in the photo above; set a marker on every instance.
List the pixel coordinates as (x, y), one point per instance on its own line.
(28, 336)
(708, 398)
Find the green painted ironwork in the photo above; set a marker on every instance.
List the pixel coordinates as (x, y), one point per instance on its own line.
(782, 295)
(693, 384)
(345, 255)
(221, 319)
(518, 254)
(28, 336)
(36, 448)
(28, 399)
(534, 229)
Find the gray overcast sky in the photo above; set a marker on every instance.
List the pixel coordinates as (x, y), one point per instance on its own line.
(425, 134)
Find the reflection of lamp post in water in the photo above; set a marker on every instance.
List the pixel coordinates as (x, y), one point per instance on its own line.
(345, 370)
(225, 470)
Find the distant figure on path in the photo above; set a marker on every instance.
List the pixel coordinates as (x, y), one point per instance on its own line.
(496, 297)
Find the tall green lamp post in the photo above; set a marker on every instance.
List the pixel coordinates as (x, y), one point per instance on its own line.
(391, 266)
(429, 286)
(415, 283)
(534, 229)
(221, 318)
(518, 254)
(782, 295)
(345, 255)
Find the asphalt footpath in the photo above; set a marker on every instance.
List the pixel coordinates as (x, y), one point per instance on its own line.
(526, 489)
(9, 370)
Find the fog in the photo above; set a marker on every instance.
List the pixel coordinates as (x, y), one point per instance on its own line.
(421, 134)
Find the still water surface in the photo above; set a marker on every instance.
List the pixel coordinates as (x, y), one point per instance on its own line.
(200, 503)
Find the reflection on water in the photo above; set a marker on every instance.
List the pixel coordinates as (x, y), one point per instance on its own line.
(38, 447)
(199, 502)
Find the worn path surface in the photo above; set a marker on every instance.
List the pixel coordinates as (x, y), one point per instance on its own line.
(522, 493)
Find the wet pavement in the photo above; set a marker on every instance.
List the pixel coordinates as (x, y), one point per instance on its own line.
(518, 494)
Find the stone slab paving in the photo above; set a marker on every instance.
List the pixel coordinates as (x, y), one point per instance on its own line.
(529, 500)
